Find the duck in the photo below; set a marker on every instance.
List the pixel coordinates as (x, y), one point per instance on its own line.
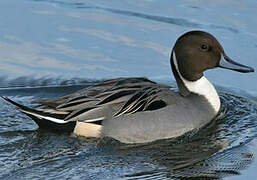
(138, 110)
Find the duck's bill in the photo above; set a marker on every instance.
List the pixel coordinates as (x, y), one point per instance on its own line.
(227, 63)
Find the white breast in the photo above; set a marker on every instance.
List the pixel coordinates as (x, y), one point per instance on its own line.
(202, 87)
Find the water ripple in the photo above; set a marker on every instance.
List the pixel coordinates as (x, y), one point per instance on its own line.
(217, 150)
(170, 20)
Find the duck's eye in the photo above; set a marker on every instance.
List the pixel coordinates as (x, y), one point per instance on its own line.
(204, 47)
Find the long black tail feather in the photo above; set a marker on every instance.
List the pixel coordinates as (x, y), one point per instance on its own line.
(41, 122)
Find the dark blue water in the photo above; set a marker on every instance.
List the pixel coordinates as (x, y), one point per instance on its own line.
(223, 148)
(61, 46)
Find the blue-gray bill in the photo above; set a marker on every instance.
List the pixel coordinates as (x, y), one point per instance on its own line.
(227, 63)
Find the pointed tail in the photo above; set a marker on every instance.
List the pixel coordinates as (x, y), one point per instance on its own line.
(44, 119)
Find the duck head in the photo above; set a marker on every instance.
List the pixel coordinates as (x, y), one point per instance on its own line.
(197, 51)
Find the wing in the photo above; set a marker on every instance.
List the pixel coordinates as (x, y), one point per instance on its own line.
(114, 97)
(97, 92)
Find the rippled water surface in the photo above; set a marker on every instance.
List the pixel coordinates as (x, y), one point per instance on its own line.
(222, 148)
(51, 47)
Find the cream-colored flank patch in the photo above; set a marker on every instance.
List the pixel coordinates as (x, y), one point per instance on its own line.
(87, 129)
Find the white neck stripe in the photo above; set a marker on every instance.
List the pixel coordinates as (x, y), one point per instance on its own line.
(201, 86)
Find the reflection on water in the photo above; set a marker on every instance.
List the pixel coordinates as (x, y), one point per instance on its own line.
(100, 39)
(175, 21)
(218, 150)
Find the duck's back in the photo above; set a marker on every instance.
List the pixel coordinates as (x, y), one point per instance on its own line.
(122, 96)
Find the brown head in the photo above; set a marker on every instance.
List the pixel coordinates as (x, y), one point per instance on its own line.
(197, 51)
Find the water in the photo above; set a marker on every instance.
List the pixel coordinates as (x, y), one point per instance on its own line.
(220, 149)
(67, 45)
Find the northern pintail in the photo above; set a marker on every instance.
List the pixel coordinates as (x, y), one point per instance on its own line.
(137, 110)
